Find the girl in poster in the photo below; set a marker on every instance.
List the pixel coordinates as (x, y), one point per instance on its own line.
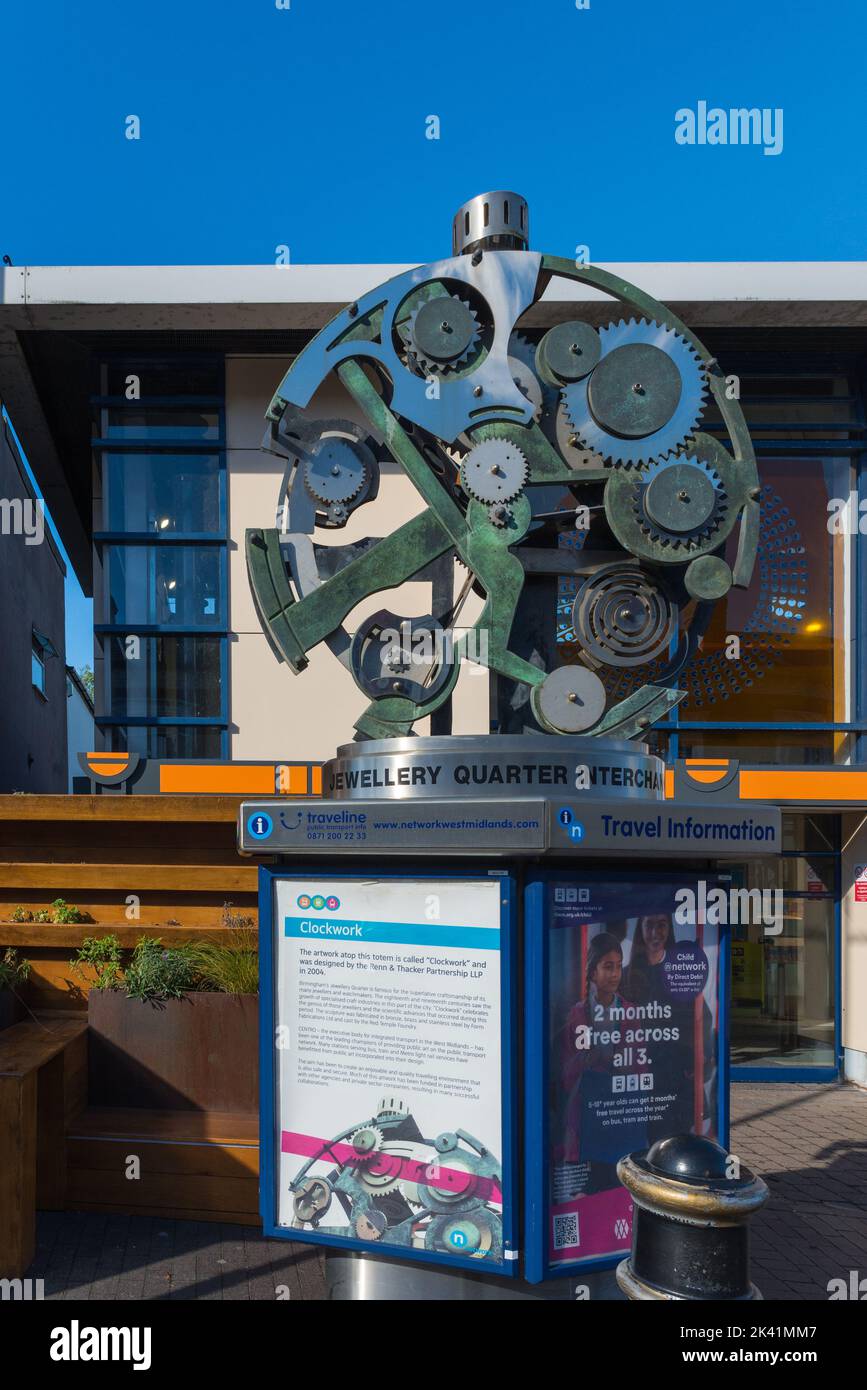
(588, 1066)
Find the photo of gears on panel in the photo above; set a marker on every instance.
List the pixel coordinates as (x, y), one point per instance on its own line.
(538, 451)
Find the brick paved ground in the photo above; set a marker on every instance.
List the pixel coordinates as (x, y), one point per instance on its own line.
(85, 1255)
(809, 1143)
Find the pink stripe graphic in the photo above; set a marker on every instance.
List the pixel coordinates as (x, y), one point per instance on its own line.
(453, 1180)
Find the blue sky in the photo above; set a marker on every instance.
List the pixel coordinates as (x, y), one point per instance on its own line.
(305, 127)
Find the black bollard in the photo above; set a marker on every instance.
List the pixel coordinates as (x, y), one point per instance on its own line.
(690, 1238)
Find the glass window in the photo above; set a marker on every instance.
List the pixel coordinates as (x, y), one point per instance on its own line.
(791, 666)
(809, 873)
(780, 746)
(814, 832)
(155, 422)
(166, 740)
(163, 377)
(37, 669)
(165, 585)
(782, 1011)
(162, 493)
(164, 676)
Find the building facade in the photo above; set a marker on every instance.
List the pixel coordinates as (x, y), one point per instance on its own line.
(143, 393)
(32, 624)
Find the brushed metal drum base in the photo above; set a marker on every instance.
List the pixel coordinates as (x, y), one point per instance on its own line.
(493, 766)
(372, 1278)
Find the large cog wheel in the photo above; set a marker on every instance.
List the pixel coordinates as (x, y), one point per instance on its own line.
(494, 471)
(645, 397)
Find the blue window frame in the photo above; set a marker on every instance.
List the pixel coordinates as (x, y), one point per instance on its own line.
(165, 585)
(161, 551)
(163, 495)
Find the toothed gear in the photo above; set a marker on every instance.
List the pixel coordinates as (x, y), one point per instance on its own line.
(335, 472)
(679, 501)
(522, 365)
(367, 1139)
(629, 421)
(494, 471)
(442, 335)
(499, 515)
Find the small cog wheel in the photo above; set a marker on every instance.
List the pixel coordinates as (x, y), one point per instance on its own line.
(442, 334)
(679, 501)
(645, 397)
(312, 1199)
(368, 1139)
(494, 471)
(335, 472)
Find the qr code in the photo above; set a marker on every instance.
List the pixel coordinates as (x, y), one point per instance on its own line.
(566, 1231)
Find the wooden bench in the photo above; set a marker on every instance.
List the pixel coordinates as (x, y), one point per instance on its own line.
(199, 1165)
(43, 1084)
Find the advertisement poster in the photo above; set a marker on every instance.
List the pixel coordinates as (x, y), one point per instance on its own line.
(633, 1025)
(389, 1084)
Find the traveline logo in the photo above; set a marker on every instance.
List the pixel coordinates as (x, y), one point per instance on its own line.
(77, 1343)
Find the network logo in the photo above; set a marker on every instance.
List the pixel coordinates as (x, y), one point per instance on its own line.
(304, 901)
(621, 1228)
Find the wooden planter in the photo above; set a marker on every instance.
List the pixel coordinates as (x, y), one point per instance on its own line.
(11, 1009)
(198, 1053)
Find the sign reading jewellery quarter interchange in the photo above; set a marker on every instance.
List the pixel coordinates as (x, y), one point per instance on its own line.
(492, 767)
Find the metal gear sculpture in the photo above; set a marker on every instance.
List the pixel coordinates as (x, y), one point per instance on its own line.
(494, 430)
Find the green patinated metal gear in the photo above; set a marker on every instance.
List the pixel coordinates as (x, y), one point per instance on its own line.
(497, 432)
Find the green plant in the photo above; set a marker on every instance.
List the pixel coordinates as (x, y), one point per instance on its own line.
(43, 915)
(63, 912)
(13, 970)
(101, 954)
(157, 972)
(20, 914)
(233, 967)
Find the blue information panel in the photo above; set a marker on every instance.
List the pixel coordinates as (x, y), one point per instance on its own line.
(386, 1066)
(625, 1045)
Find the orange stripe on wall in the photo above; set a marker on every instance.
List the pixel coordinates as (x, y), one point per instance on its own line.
(790, 784)
(227, 779)
(296, 782)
